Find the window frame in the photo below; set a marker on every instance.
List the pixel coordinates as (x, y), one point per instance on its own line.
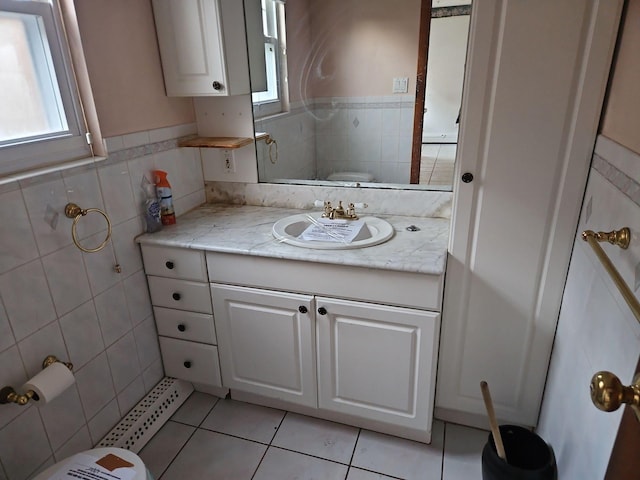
(275, 23)
(39, 151)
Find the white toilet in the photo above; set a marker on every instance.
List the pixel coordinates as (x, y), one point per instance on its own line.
(350, 177)
(110, 457)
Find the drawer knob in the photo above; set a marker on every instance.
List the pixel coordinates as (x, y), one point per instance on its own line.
(176, 296)
(302, 309)
(187, 364)
(322, 311)
(181, 327)
(169, 265)
(217, 86)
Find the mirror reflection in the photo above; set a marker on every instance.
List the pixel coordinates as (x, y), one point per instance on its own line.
(334, 90)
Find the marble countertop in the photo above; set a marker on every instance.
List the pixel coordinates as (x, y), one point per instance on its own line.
(246, 230)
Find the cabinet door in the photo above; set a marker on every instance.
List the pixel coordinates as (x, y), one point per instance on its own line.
(191, 47)
(514, 225)
(266, 342)
(377, 362)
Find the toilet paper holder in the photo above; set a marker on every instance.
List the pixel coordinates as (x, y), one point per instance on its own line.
(9, 395)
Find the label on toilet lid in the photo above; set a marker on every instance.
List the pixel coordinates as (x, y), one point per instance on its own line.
(85, 467)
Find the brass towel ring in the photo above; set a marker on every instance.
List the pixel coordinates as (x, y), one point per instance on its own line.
(270, 141)
(74, 211)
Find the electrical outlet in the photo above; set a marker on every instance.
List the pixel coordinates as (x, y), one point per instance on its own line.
(228, 162)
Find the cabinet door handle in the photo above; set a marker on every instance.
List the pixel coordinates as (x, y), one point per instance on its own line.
(169, 265)
(176, 296)
(322, 311)
(187, 364)
(181, 327)
(302, 309)
(216, 85)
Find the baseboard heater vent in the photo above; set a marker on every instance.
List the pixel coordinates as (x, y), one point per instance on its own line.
(147, 417)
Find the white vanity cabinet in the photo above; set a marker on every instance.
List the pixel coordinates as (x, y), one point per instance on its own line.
(287, 340)
(179, 290)
(202, 47)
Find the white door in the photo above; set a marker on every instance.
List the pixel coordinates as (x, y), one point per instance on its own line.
(377, 362)
(445, 73)
(536, 76)
(266, 342)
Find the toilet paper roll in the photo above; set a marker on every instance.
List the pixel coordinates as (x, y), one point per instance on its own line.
(50, 382)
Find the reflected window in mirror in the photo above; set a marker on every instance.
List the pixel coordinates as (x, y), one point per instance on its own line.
(269, 97)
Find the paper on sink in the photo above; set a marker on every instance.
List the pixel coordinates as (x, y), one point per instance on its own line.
(327, 230)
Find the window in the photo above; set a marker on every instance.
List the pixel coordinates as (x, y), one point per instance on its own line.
(272, 100)
(41, 121)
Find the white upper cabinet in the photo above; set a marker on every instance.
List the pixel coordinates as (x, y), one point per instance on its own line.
(203, 47)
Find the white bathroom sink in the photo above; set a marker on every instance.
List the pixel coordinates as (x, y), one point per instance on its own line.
(296, 230)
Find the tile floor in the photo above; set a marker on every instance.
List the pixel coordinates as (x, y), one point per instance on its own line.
(220, 439)
(436, 163)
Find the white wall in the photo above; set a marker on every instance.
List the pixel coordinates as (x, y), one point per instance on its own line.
(596, 329)
(445, 73)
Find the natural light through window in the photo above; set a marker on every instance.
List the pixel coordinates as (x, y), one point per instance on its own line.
(31, 103)
(41, 119)
(270, 100)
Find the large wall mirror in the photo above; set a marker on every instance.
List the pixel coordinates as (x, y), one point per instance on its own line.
(339, 95)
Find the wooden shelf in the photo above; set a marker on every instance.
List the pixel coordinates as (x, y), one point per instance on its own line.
(216, 142)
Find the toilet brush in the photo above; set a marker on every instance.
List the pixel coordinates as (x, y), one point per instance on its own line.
(495, 430)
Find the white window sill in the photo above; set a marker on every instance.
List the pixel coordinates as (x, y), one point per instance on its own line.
(14, 177)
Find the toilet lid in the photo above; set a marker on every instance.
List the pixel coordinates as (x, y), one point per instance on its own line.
(87, 459)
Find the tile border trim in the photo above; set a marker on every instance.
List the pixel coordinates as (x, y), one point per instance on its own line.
(619, 166)
(627, 185)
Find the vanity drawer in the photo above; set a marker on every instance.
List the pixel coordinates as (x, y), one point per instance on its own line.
(174, 262)
(197, 327)
(191, 361)
(180, 294)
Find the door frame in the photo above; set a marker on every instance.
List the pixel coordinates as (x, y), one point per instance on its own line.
(421, 90)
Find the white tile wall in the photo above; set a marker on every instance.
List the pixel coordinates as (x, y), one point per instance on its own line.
(113, 314)
(82, 335)
(79, 442)
(67, 279)
(27, 429)
(57, 300)
(103, 421)
(6, 335)
(342, 134)
(16, 236)
(596, 331)
(26, 299)
(123, 362)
